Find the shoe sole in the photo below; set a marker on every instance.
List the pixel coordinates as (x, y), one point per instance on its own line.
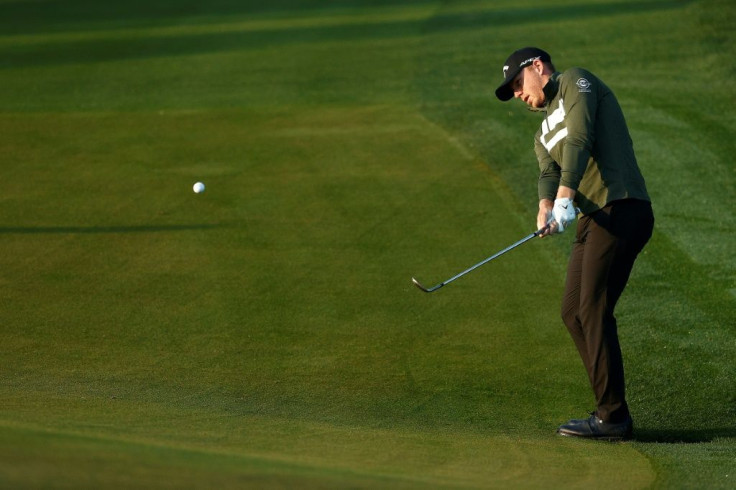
(595, 438)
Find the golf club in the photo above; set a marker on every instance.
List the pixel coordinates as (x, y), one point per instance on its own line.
(485, 261)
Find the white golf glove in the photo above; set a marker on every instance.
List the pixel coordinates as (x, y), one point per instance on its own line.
(563, 213)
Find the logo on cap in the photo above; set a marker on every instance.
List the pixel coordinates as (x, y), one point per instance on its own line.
(528, 62)
(505, 69)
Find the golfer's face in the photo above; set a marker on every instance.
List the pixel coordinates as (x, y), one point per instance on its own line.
(528, 86)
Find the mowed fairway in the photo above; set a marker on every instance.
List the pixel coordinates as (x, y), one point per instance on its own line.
(266, 333)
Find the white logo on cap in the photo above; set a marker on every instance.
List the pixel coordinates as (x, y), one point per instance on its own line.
(528, 62)
(505, 69)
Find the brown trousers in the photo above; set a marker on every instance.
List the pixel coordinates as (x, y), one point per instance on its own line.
(606, 245)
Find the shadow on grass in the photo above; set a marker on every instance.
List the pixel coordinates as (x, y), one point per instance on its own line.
(56, 52)
(29, 17)
(33, 230)
(684, 436)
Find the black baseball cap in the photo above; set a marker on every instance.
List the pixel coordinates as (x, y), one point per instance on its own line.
(519, 59)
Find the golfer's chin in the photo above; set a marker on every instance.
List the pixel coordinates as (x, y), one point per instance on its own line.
(535, 103)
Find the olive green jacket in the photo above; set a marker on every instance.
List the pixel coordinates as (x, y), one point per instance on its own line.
(584, 143)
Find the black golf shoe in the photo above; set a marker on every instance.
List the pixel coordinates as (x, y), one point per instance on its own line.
(595, 428)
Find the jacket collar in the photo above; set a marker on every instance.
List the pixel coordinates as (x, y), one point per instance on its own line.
(551, 88)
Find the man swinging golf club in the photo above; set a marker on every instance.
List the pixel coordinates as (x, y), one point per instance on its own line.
(586, 160)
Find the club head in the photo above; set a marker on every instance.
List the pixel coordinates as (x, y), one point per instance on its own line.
(419, 285)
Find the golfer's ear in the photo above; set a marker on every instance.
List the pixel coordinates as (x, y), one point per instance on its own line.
(538, 66)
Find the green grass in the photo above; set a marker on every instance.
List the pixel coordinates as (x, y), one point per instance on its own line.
(266, 333)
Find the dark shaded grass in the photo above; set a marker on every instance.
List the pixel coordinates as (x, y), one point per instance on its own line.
(142, 47)
(44, 16)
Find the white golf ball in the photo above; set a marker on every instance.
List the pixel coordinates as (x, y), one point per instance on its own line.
(198, 188)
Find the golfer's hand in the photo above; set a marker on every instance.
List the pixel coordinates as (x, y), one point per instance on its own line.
(563, 213)
(545, 221)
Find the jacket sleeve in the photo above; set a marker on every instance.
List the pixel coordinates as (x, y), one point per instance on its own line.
(579, 91)
(549, 171)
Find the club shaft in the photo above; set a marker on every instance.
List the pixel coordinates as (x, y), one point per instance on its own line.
(497, 254)
(484, 261)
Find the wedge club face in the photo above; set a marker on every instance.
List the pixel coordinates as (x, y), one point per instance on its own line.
(419, 285)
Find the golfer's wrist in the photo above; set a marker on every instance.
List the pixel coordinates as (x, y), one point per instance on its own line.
(546, 204)
(566, 192)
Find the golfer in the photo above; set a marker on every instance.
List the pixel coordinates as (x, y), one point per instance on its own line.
(586, 161)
